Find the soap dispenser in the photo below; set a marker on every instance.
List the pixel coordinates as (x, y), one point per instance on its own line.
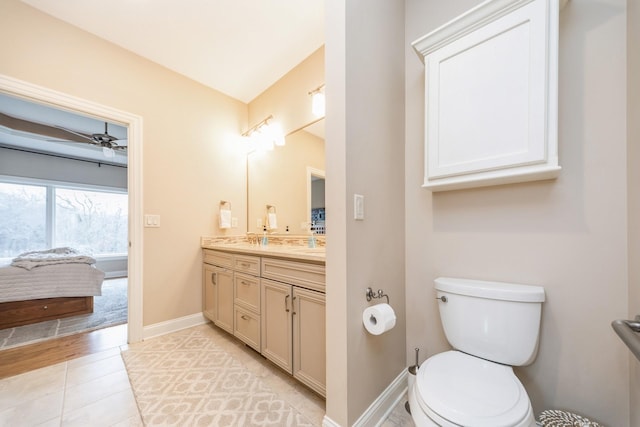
(311, 241)
(265, 240)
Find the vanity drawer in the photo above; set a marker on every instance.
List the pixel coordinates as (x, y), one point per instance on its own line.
(247, 264)
(247, 327)
(247, 292)
(218, 258)
(310, 276)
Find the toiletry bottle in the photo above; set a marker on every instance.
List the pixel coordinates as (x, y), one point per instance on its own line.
(311, 242)
(265, 240)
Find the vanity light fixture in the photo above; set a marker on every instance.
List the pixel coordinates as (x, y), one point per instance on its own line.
(265, 134)
(317, 101)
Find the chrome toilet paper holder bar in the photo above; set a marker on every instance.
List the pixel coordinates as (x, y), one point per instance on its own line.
(379, 294)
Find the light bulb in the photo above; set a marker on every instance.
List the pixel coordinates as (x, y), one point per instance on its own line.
(277, 135)
(317, 104)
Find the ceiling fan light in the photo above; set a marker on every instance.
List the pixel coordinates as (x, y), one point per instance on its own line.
(108, 152)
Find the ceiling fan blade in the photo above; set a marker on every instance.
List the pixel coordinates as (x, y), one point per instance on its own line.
(27, 129)
(121, 143)
(82, 135)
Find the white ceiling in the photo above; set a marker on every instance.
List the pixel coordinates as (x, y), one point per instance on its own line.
(238, 47)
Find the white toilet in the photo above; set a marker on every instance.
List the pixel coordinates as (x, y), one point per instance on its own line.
(492, 326)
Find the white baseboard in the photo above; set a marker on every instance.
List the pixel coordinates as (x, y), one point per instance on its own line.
(115, 274)
(173, 325)
(328, 422)
(380, 409)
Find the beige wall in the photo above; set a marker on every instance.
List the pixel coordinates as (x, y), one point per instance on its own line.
(364, 145)
(288, 99)
(633, 160)
(568, 235)
(191, 159)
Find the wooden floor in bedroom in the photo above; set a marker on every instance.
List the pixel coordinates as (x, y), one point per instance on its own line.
(26, 358)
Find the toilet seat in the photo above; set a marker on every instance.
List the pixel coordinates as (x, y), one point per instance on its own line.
(456, 389)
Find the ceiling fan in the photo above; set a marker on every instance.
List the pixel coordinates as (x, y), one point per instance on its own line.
(109, 143)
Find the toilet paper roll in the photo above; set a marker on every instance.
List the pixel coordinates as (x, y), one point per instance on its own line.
(378, 318)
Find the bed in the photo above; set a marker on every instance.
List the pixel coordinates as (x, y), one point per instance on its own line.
(46, 285)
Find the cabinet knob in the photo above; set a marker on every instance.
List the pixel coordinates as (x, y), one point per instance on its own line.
(244, 317)
(45, 307)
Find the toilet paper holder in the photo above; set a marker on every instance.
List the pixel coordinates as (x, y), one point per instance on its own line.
(370, 294)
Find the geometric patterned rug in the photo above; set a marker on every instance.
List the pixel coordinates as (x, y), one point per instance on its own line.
(185, 379)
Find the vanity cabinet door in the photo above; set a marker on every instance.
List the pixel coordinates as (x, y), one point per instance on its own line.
(309, 349)
(224, 284)
(209, 293)
(218, 296)
(276, 323)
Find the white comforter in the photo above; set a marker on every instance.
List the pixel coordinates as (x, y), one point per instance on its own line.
(30, 260)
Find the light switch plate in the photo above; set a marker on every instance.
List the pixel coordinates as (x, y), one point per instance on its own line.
(152, 220)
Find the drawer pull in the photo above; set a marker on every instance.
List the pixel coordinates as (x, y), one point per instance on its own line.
(245, 264)
(245, 283)
(213, 278)
(244, 317)
(293, 301)
(286, 306)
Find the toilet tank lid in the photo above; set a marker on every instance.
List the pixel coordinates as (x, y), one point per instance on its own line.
(491, 290)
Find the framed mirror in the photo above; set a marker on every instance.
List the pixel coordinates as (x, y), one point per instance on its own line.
(290, 179)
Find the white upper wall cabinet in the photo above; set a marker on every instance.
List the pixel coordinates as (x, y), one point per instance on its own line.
(491, 95)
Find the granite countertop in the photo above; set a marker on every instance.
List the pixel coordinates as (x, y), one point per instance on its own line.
(293, 252)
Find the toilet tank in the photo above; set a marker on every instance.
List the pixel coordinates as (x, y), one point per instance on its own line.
(492, 320)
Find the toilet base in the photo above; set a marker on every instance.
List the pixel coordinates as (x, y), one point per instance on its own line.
(420, 419)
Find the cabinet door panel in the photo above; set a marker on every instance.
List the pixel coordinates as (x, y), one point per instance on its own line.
(224, 284)
(209, 293)
(309, 342)
(276, 323)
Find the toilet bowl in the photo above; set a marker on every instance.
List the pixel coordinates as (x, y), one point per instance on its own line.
(492, 327)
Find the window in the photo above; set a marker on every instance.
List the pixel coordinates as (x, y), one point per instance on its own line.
(23, 218)
(37, 216)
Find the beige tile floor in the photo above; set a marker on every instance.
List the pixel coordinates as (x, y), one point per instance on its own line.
(89, 391)
(95, 391)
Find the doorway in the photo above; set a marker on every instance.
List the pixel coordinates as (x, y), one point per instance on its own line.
(133, 123)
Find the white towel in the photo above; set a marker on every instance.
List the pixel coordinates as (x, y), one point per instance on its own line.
(225, 218)
(272, 221)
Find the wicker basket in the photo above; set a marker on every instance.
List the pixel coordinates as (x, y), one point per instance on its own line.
(555, 418)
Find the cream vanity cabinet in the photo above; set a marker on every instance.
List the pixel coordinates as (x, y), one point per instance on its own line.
(232, 294)
(293, 319)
